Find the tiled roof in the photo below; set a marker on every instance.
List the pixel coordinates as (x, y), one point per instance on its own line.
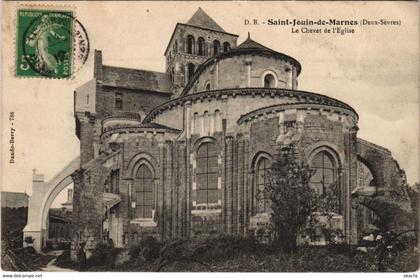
(201, 19)
(136, 79)
(249, 43)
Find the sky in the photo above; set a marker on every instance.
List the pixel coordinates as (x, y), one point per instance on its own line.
(375, 70)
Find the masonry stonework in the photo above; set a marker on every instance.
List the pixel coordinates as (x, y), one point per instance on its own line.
(181, 154)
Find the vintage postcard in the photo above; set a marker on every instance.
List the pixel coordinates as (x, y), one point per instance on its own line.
(221, 136)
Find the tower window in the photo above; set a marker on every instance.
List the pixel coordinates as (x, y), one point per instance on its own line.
(226, 47)
(118, 101)
(176, 47)
(216, 47)
(191, 69)
(208, 87)
(201, 47)
(190, 44)
(269, 81)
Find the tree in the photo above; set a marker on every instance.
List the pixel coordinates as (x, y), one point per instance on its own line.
(291, 197)
(297, 210)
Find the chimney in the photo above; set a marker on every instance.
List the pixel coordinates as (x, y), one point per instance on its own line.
(97, 65)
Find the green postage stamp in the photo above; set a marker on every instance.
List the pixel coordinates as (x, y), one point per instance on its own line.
(45, 43)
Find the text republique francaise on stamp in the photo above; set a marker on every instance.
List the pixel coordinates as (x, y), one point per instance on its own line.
(50, 43)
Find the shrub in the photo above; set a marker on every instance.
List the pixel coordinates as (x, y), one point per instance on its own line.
(134, 252)
(103, 254)
(229, 246)
(147, 250)
(150, 248)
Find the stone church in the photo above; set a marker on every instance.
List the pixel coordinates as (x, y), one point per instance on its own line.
(185, 152)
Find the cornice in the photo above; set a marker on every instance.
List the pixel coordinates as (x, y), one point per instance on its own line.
(137, 129)
(286, 106)
(301, 97)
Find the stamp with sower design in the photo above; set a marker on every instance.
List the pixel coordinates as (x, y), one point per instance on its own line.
(50, 43)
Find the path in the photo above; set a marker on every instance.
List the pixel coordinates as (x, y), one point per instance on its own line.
(51, 267)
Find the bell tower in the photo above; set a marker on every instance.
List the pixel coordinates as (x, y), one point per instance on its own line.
(191, 44)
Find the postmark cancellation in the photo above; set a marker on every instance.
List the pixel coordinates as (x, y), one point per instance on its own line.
(50, 43)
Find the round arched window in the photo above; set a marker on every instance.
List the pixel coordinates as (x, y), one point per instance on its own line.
(190, 44)
(201, 49)
(207, 173)
(269, 81)
(226, 47)
(324, 172)
(216, 47)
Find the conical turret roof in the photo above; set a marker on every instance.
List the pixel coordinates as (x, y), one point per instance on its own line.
(249, 43)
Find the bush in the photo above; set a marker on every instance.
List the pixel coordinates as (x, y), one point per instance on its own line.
(103, 255)
(224, 246)
(150, 248)
(134, 252)
(147, 250)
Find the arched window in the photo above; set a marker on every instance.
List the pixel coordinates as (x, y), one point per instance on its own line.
(217, 120)
(191, 69)
(226, 47)
(190, 44)
(269, 81)
(325, 172)
(118, 101)
(207, 174)
(206, 122)
(143, 192)
(201, 47)
(261, 180)
(208, 87)
(196, 124)
(176, 47)
(216, 47)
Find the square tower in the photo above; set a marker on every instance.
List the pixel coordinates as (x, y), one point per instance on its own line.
(191, 44)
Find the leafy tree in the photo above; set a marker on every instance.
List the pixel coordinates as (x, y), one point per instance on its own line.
(297, 209)
(291, 197)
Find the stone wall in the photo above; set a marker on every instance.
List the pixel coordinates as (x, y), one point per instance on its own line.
(88, 208)
(173, 162)
(245, 71)
(135, 101)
